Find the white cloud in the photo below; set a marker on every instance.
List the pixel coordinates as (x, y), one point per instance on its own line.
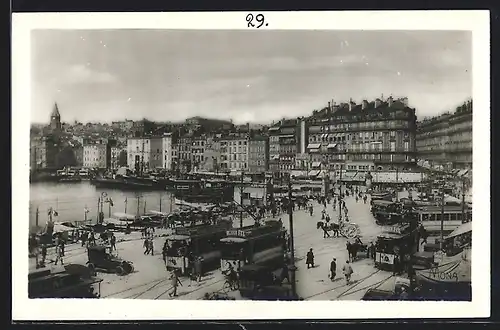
(82, 74)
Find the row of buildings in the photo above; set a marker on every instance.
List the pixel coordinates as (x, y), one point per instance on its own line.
(382, 134)
(198, 152)
(445, 141)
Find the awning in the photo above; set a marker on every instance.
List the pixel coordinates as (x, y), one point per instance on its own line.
(286, 136)
(466, 227)
(313, 146)
(331, 145)
(316, 164)
(275, 157)
(313, 173)
(314, 150)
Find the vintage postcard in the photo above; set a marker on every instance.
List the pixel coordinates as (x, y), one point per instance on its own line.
(260, 165)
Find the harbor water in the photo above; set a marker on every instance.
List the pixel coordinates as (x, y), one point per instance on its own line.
(70, 201)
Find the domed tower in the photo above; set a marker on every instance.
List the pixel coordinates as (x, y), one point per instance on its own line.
(55, 119)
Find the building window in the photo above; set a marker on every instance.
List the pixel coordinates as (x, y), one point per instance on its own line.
(393, 147)
(407, 146)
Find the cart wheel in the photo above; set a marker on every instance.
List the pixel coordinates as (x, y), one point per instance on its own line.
(92, 270)
(226, 287)
(119, 270)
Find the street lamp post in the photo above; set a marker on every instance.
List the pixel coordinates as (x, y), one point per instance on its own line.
(292, 268)
(441, 243)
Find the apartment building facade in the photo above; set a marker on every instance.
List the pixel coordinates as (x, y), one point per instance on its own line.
(167, 151)
(43, 152)
(97, 154)
(286, 140)
(258, 154)
(378, 135)
(446, 141)
(234, 154)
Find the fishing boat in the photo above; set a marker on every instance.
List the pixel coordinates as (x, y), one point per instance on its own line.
(202, 191)
(123, 183)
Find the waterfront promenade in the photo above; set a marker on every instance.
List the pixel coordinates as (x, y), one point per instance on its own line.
(150, 280)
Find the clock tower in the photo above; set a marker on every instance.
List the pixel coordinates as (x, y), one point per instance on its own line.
(55, 119)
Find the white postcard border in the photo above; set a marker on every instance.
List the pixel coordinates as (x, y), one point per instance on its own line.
(110, 309)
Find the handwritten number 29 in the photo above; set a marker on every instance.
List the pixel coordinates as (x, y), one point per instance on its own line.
(259, 18)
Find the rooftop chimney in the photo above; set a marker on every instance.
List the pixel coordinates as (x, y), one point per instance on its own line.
(378, 102)
(404, 100)
(329, 106)
(351, 103)
(364, 104)
(390, 101)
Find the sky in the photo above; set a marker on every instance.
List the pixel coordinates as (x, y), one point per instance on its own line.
(246, 76)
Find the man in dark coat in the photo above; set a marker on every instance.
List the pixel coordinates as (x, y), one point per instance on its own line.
(310, 259)
(333, 269)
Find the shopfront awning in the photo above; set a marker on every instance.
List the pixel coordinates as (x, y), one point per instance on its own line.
(332, 145)
(465, 228)
(313, 146)
(313, 173)
(314, 150)
(276, 157)
(316, 164)
(286, 136)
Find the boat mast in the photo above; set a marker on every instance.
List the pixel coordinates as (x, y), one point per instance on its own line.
(142, 157)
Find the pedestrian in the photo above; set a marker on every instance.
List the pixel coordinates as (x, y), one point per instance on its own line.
(395, 265)
(146, 246)
(113, 242)
(310, 259)
(357, 198)
(364, 199)
(325, 231)
(175, 283)
(61, 247)
(198, 264)
(59, 256)
(347, 269)
(333, 269)
(44, 255)
(151, 247)
(285, 273)
(327, 218)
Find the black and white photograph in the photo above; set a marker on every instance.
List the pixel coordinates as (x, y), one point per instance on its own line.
(176, 165)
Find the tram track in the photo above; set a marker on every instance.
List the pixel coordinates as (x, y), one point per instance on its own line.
(341, 286)
(133, 288)
(195, 290)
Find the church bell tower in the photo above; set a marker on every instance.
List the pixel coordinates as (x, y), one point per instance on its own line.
(55, 119)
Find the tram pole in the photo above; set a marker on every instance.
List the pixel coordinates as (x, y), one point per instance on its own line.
(36, 218)
(241, 200)
(292, 267)
(441, 242)
(340, 195)
(138, 205)
(463, 199)
(160, 202)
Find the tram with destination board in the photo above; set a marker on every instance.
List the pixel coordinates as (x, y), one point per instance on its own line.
(188, 243)
(262, 245)
(395, 246)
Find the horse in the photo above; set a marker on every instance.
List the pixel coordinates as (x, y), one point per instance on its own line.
(328, 227)
(354, 248)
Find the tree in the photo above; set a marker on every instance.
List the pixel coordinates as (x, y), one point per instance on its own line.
(122, 158)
